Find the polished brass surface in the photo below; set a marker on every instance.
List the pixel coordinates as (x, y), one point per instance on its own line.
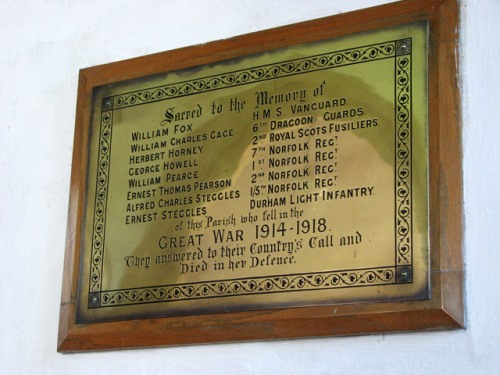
(296, 177)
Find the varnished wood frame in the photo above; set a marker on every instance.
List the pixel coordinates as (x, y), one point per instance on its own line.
(445, 308)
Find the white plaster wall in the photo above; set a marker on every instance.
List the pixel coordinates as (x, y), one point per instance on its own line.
(42, 46)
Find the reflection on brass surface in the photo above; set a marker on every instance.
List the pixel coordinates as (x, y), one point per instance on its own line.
(295, 177)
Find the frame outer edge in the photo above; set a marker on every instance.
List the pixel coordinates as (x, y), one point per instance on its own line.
(75, 209)
(444, 310)
(451, 184)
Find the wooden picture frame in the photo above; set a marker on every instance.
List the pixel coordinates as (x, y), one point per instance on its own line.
(441, 308)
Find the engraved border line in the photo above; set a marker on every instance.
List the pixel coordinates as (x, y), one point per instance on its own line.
(257, 74)
(250, 286)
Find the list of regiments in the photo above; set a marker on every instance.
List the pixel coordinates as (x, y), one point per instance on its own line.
(262, 186)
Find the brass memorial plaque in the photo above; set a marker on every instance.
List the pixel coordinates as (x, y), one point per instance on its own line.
(296, 177)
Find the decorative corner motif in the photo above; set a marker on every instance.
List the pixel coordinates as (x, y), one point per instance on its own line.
(94, 300)
(107, 103)
(404, 275)
(403, 46)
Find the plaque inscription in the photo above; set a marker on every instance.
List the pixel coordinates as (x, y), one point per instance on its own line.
(291, 178)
